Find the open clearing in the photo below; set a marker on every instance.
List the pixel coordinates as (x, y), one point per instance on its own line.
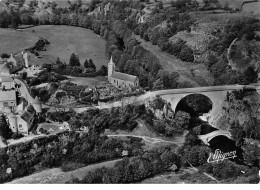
(57, 176)
(170, 63)
(89, 81)
(64, 40)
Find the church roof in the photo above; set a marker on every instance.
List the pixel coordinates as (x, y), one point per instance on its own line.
(124, 76)
(7, 96)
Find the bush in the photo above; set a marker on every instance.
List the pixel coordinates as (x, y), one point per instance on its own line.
(134, 169)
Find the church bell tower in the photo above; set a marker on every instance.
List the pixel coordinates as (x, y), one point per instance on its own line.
(111, 67)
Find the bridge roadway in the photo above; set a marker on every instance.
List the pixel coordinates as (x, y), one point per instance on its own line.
(152, 94)
(206, 89)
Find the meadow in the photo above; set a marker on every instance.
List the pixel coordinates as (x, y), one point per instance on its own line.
(12, 41)
(62, 3)
(64, 40)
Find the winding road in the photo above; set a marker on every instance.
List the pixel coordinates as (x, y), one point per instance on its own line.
(24, 90)
(151, 139)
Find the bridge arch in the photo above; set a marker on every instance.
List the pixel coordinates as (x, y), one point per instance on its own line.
(195, 104)
(213, 135)
(218, 135)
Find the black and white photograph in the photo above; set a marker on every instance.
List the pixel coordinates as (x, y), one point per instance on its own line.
(131, 92)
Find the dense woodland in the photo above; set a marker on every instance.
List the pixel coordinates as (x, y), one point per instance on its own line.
(59, 150)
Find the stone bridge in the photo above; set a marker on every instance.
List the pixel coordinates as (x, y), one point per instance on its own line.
(208, 137)
(217, 95)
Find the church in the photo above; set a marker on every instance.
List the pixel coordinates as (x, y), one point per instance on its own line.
(121, 80)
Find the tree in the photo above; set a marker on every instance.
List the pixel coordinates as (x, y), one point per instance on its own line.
(74, 60)
(103, 70)
(250, 75)
(182, 120)
(160, 5)
(15, 19)
(173, 79)
(186, 54)
(53, 5)
(93, 4)
(157, 103)
(5, 131)
(86, 65)
(91, 64)
(5, 55)
(58, 61)
(24, 75)
(79, 3)
(192, 139)
(251, 154)
(5, 19)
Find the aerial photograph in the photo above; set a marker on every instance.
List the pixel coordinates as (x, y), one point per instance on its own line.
(130, 92)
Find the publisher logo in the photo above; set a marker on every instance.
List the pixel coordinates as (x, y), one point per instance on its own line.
(220, 156)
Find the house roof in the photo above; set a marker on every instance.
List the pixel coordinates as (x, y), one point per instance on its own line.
(36, 100)
(7, 96)
(18, 57)
(4, 69)
(28, 113)
(26, 116)
(124, 76)
(30, 109)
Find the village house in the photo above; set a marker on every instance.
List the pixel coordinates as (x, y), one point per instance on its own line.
(20, 116)
(19, 61)
(4, 70)
(121, 80)
(22, 122)
(7, 83)
(7, 99)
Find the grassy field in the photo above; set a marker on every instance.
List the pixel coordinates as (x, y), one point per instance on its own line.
(61, 3)
(171, 64)
(64, 40)
(57, 176)
(91, 82)
(252, 7)
(184, 176)
(12, 41)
